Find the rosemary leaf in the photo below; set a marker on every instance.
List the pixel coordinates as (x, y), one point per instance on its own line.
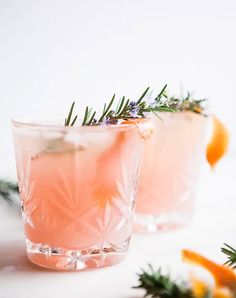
(73, 122)
(143, 95)
(85, 115)
(107, 109)
(67, 120)
(162, 93)
(124, 109)
(92, 118)
(104, 108)
(120, 105)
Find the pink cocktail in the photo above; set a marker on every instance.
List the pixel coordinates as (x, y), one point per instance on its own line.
(170, 171)
(77, 188)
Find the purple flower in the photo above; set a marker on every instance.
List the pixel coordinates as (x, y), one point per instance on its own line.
(132, 104)
(105, 121)
(134, 109)
(134, 112)
(109, 121)
(153, 104)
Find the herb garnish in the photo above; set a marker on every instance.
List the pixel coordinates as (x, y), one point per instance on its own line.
(125, 109)
(230, 252)
(188, 103)
(159, 285)
(8, 190)
(130, 109)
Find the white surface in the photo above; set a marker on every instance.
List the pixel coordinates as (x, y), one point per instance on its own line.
(56, 51)
(214, 224)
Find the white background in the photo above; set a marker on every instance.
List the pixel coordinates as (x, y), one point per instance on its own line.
(53, 52)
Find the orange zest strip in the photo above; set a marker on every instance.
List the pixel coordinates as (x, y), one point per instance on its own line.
(219, 143)
(223, 276)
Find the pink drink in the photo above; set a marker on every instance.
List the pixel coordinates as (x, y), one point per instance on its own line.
(77, 188)
(170, 171)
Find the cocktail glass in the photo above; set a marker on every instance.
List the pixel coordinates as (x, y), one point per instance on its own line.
(77, 187)
(170, 169)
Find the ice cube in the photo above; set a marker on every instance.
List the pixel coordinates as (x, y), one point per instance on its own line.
(101, 139)
(52, 135)
(76, 139)
(146, 129)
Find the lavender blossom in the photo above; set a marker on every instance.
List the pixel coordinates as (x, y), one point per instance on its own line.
(109, 121)
(152, 103)
(134, 109)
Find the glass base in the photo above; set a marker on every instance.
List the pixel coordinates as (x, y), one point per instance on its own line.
(58, 258)
(144, 223)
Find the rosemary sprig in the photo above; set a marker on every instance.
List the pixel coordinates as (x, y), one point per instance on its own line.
(126, 109)
(158, 285)
(230, 252)
(8, 190)
(188, 103)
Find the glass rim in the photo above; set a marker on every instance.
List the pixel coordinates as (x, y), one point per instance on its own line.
(37, 125)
